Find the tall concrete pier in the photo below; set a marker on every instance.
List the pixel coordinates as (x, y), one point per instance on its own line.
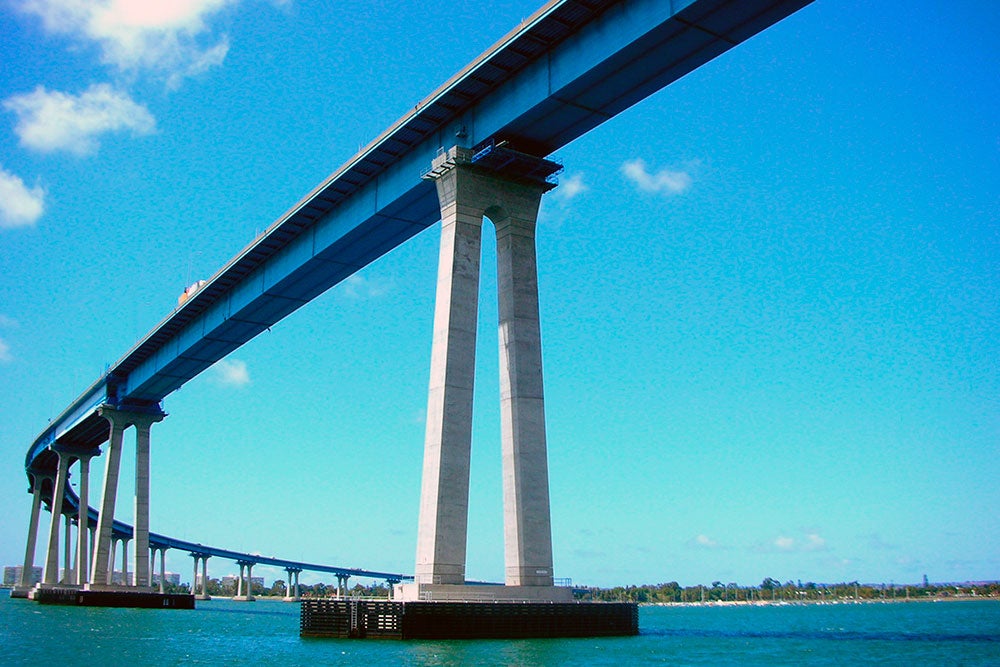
(505, 186)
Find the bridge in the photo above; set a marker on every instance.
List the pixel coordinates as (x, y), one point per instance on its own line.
(474, 148)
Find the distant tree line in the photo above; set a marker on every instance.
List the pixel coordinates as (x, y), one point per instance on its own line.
(791, 591)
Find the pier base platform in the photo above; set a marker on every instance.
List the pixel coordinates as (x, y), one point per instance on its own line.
(386, 619)
(137, 599)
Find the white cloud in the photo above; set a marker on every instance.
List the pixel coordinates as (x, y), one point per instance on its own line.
(571, 187)
(5, 355)
(665, 181)
(158, 35)
(783, 543)
(704, 542)
(787, 544)
(19, 205)
(814, 543)
(51, 120)
(8, 322)
(232, 372)
(359, 287)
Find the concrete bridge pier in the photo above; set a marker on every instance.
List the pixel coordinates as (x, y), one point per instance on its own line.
(163, 566)
(505, 186)
(26, 584)
(84, 533)
(103, 562)
(50, 574)
(102, 567)
(203, 595)
(244, 590)
(123, 541)
(67, 571)
(342, 585)
(140, 529)
(292, 590)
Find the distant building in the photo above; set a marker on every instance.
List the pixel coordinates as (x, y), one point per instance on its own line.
(232, 579)
(12, 575)
(170, 577)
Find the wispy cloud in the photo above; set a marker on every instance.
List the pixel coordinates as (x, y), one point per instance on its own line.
(168, 36)
(807, 542)
(20, 206)
(570, 188)
(5, 355)
(231, 372)
(360, 287)
(665, 181)
(704, 542)
(51, 121)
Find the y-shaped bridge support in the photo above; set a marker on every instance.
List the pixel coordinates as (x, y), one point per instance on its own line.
(506, 187)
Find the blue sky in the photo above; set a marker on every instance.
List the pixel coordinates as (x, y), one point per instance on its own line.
(768, 292)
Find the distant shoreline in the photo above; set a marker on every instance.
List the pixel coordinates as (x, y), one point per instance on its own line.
(799, 603)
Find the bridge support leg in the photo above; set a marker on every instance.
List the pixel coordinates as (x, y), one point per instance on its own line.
(203, 595)
(51, 572)
(527, 525)
(509, 193)
(67, 573)
(83, 532)
(244, 590)
(163, 565)
(204, 579)
(101, 572)
(27, 570)
(444, 500)
(140, 529)
(292, 587)
(126, 577)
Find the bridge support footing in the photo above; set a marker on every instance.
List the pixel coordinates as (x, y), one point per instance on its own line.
(386, 619)
(135, 599)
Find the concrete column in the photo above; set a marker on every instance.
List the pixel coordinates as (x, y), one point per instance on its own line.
(126, 575)
(103, 564)
(163, 569)
(29, 549)
(444, 496)
(84, 533)
(140, 529)
(239, 582)
(507, 187)
(249, 581)
(51, 572)
(527, 524)
(111, 562)
(194, 575)
(204, 577)
(292, 586)
(67, 573)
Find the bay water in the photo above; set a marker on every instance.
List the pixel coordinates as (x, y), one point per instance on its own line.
(266, 633)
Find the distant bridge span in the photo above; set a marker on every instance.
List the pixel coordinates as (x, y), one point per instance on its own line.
(562, 72)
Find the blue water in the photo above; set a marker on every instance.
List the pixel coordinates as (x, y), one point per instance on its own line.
(266, 633)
